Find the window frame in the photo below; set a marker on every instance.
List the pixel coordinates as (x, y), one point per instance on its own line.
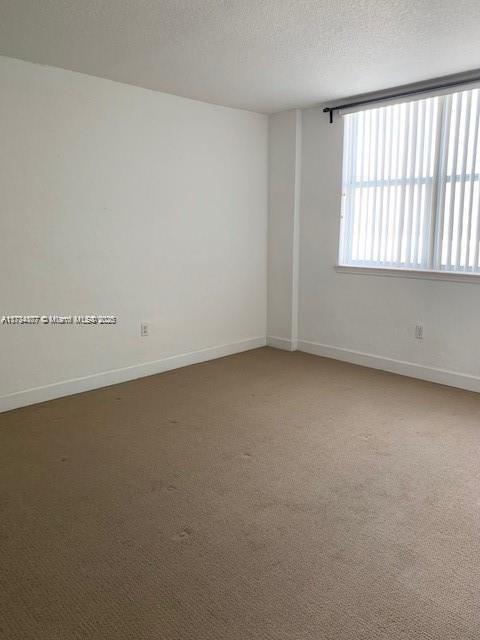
(433, 272)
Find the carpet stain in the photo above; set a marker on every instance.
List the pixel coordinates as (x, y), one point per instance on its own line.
(184, 534)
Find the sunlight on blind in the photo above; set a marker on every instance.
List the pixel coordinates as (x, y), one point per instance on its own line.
(411, 191)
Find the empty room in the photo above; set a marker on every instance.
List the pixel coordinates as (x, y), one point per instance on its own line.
(239, 320)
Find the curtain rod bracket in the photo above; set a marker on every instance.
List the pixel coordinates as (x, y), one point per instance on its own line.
(329, 110)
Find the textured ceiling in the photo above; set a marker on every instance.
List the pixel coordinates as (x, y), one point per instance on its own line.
(263, 55)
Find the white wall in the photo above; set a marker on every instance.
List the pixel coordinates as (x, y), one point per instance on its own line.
(284, 182)
(341, 314)
(124, 201)
(152, 207)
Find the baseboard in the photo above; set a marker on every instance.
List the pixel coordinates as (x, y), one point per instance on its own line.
(115, 376)
(411, 369)
(282, 343)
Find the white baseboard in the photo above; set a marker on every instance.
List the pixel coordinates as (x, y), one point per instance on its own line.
(114, 376)
(282, 343)
(411, 369)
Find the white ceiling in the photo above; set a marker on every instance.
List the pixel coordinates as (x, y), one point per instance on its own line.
(263, 55)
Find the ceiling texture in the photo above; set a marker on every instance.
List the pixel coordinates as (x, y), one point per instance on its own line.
(262, 55)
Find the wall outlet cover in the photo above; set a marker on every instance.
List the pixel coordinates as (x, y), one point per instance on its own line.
(419, 331)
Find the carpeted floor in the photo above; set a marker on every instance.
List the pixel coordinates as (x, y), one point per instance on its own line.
(267, 495)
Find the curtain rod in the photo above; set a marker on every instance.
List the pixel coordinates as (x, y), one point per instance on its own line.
(402, 94)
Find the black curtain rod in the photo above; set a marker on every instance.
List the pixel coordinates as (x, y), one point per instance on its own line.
(401, 94)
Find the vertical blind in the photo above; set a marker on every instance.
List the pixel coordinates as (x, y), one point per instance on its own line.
(411, 194)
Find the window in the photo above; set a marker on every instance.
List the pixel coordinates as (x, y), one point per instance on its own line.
(411, 195)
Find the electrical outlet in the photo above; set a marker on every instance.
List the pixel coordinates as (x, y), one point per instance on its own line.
(144, 329)
(419, 331)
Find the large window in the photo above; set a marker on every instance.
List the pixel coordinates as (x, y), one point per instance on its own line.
(411, 194)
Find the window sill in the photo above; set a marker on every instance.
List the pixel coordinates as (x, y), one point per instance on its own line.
(422, 274)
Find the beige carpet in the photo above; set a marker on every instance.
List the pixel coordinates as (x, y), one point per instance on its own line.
(268, 495)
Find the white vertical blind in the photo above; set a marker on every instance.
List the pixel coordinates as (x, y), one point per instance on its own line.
(411, 194)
